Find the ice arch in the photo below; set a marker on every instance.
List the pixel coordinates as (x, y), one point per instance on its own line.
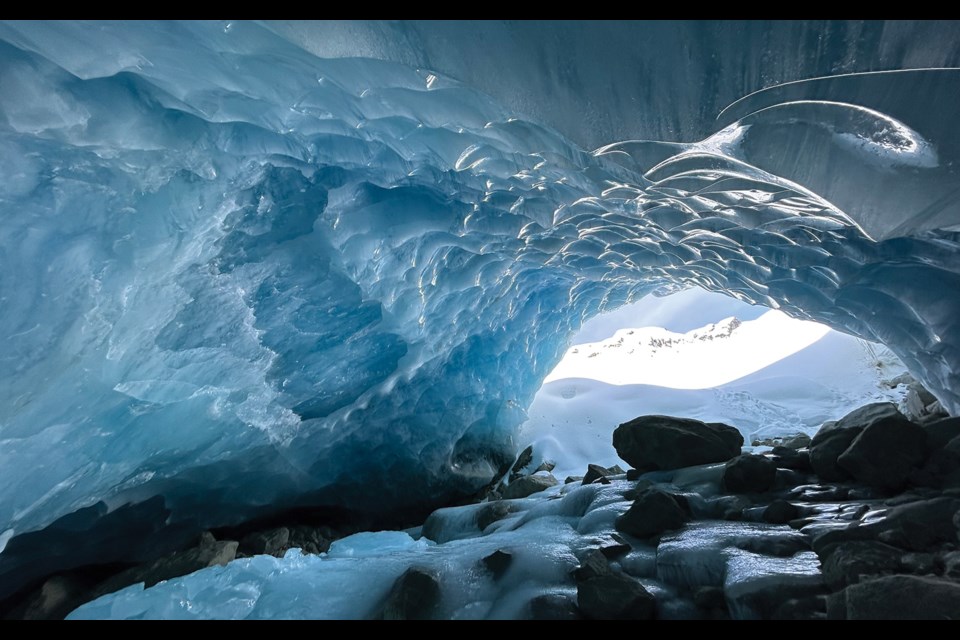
(242, 277)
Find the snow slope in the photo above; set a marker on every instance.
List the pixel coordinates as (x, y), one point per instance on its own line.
(771, 376)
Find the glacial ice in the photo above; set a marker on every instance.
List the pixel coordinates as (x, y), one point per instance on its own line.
(242, 277)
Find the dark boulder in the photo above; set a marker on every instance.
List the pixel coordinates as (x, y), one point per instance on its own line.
(497, 563)
(849, 562)
(615, 596)
(898, 597)
(780, 512)
(833, 438)
(652, 513)
(662, 442)
(209, 553)
(273, 542)
(595, 472)
(749, 474)
(920, 525)
(528, 485)
(414, 596)
(554, 606)
(886, 451)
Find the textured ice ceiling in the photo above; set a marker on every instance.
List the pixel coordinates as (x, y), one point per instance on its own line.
(241, 276)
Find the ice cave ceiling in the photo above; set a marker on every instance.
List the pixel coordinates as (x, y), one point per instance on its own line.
(241, 276)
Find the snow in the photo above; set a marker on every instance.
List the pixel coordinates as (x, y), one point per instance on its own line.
(771, 376)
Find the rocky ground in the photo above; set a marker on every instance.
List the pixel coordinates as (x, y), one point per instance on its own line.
(861, 521)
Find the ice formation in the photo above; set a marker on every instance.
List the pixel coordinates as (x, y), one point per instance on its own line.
(243, 277)
(544, 537)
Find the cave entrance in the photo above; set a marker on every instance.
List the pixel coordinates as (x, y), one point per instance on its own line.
(707, 356)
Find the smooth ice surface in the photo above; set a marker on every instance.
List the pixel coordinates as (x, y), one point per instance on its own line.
(766, 373)
(244, 277)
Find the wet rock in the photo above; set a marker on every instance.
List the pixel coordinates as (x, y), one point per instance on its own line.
(919, 563)
(749, 474)
(940, 432)
(833, 438)
(950, 565)
(942, 468)
(570, 479)
(553, 606)
(524, 459)
(848, 563)
(209, 553)
(546, 465)
(273, 542)
(886, 451)
(898, 597)
(663, 442)
(596, 472)
(497, 563)
(593, 564)
(614, 546)
(798, 441)
(58, 596)
(414, 596)
(731, 507)
(920, 525)
(528, 485)
(615, 596)
(809, 608)
(780, 512)
(709, 597)
(487, 515)
(310, 539)
(652, 513)
(796, 460)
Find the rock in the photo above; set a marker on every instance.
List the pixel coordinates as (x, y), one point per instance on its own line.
(615, 597)
(709, 597)
(652, 513)
(730, 507)
(951, 565)
(615, 547)
(414, 596)
(780, 512)
(798, 441)
(847, 563)
(920, 563)
(940, 432)
(596, 472)
(553, 606)
(833, 438)
(796, 460)
(525, 458)
(273, 542)
(487, 515)
(634, 474)
(528, 485)
(886, 451)
(942, 468)
(570, 479)
(809, 608)
(749, 474)
(593, 564)
(546, 465)
(897, 598)
(58, 596)
(920, 525)
(209, 553)
(497, 563)
(310, 539)
(661, 442)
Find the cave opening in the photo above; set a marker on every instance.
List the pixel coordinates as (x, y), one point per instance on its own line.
(703, 355)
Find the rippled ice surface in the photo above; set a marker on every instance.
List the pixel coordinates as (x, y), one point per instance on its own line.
(243, 277)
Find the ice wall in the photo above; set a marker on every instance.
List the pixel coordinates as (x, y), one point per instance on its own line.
(243, 277)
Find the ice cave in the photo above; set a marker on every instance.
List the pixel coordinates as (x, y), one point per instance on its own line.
(479, 319)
